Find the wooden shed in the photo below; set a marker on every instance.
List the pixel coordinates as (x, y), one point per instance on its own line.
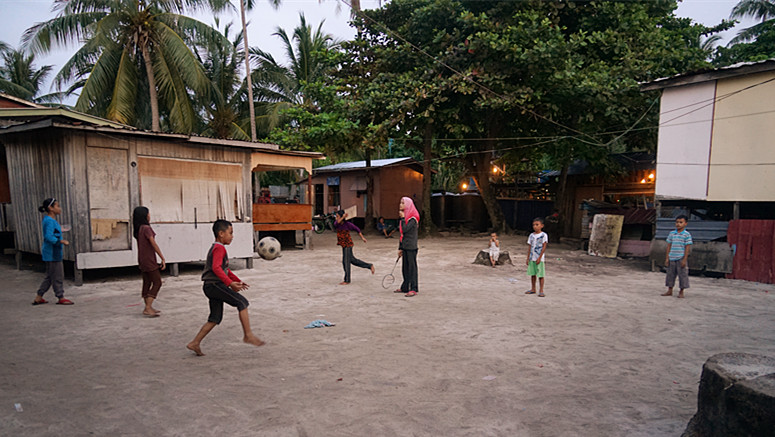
(101, 170)
(344, 185)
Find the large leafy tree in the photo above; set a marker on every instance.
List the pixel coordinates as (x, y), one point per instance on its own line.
(20, 78)
(512, 80)
(129, 45)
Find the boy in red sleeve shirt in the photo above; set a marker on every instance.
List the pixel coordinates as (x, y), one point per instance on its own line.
(221, 285)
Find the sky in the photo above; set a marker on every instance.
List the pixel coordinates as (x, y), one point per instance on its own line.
(18, 15)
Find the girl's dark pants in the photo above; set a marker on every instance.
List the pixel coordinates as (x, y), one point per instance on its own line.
(55, 275)
(347, 259)
(409, 271)
(151, 283)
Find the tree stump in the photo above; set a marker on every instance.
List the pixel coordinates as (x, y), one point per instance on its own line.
(483, 258)
(736, 397)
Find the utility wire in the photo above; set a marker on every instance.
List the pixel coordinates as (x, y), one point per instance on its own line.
(457, 72)
(547, 140)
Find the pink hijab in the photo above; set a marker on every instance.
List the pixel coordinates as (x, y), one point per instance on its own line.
(410, 212)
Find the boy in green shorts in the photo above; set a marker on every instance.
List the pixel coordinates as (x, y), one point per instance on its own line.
(535, 256)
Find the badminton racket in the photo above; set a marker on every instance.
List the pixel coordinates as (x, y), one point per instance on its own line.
(389, 279)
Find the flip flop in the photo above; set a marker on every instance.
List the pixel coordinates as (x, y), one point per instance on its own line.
(530, 292)
(411, 294)
(64, 301)
(541, 295)
(42, 301)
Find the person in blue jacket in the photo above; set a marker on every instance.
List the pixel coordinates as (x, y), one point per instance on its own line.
(51, 251)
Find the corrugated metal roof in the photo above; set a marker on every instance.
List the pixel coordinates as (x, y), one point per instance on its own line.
(355, 165)
(31, 119)
(38, 113)
(738, 69)
(701, 230)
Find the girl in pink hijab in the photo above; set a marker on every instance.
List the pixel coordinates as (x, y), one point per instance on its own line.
(407, 246)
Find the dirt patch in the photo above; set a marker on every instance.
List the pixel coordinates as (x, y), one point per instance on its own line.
(602, 354)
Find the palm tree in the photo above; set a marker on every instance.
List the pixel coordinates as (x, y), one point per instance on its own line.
(129, 45)
(278, 86)
(762, 10)
(708, 44)
(243, 5)
(20, 78)
(223, 112)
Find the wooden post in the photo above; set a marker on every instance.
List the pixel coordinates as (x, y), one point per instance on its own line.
(18, 258)
(249, 263)
(736, 211)
(310, 199)
(174, 269)
(77, 276)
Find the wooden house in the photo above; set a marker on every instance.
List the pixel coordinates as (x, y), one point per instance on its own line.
(344, 185)
(100, 171)
(716, 164)
(630, 190)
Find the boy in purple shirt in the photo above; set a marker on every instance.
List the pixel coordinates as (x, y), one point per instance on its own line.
(343, 228)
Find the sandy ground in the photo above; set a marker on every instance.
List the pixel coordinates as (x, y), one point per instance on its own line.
(602, 355)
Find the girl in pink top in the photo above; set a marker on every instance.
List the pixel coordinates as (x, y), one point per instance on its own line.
(407, 246)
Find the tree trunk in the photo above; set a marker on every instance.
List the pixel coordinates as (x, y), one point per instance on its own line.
(482, 171)
(427, 222)
(251, 106)
(355, 7)
(479, 166)
(563, 203)
(152, 94)
(369, 220)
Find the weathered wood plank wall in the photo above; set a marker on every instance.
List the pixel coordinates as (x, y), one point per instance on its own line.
(38, 171)
(151, 148)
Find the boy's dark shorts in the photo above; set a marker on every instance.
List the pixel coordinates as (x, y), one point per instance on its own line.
(219, 293)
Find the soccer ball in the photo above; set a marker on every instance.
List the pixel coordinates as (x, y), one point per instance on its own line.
(269, 248)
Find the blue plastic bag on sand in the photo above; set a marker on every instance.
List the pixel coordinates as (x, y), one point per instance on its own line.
(319, 324)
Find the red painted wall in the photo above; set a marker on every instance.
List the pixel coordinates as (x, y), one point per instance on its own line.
(754, 242)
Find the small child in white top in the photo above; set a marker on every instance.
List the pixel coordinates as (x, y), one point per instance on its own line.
(494, 249)
(537, 241)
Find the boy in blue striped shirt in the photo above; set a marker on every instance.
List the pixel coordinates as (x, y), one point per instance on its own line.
(679, 246)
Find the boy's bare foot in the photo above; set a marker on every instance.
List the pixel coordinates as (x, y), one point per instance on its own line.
(344, 283)
(194, 347)
(372, 269)
(681, 294)
(255, 341)
(667, 293)
(151, 313)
